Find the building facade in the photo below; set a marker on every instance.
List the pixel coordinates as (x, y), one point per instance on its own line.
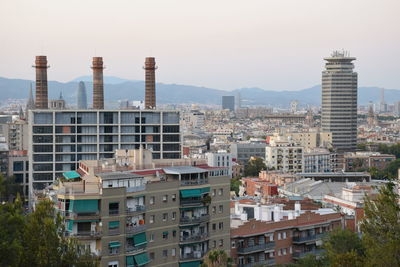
(244, 151)
(58, 139)
(286, 156)
(228, 102)
(317, 161)
(168, 216)
(339, 101)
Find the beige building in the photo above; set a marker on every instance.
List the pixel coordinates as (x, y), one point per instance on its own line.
(308, 140)
(284, 155)
(129, 215)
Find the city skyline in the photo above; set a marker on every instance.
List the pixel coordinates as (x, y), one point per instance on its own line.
(262, 51)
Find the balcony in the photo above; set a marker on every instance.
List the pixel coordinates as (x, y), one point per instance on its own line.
(192, 256)
(193, 238)
(191, 220)
(113, 212)
(84, 234)
(194, 182)
(135, 189)
(192, 202)
(135, 229)
(299, 255)
(134, 249)
(256, 248)
(310, 238)
(259, 263)
(136, 209)
(82, 216)
(114, 231)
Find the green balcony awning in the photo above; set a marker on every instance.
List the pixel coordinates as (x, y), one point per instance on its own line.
(129, 261)
(114, 244)
(205, 190)
(141, 259)
(188, 193)
(139, 239)
(190, 264)
(84, 205)
(71, 175)
(113, 224)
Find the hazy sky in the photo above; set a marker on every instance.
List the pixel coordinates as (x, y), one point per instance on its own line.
(225, 44)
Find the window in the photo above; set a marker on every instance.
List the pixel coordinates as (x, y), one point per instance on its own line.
(220, 208)
(214, 226)
(174, 233)
(113, 208)
(152, 199)
(233, 244)
(173, 197)
(165, 217)
(221, 242)
(165, 198)
(152, 257)
(279, 236)
(113, 264)
(220, 192)
(173, 252)
(280, 252)
(284, 235)
(290, 250)
(152, 218)
(165, 253)
(214, 192)
(271, 238)
(173, 216)
(151, 237)
(221, 226)
(214, 209)
(165, 235)
(214, 244)
(284, 251)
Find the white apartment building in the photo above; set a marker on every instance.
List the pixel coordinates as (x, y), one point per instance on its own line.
(220, 159)
(284, 155)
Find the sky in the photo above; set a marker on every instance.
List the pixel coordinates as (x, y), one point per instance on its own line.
(223, 44)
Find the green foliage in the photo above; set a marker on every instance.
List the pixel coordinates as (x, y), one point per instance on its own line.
(390, 149)
(390, 172)
(344, 248)
(254, 166)
(310, 260)
(235, 184)
(381, 228)
(37, 239)
(217, 258)
(9, 189)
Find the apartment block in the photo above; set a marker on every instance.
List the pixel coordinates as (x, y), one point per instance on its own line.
(18, 167)
(320, 160)
(244, 151)
(162, 216)
(365, 160)
(260, 243)
(59, 139)
(284, 155)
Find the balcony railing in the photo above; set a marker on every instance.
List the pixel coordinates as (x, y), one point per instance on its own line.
(192, 202)
(84, 234)
(135, 189)
(194, 182)
(298, 255)
(114, 231)
(133, 249)
(192, 256)
(135, 229)
(259, 263)
(113, 212)
(136, 209)
(301, 239)
(193, 238)
(260, 247)
(189, 220)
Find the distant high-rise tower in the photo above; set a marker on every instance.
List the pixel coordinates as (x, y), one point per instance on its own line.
(98, 85)
(228, 102)
(82, 98)
(150, 83)
(41, 82)
(339, 101)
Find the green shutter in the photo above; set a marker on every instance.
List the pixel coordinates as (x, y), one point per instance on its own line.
(114, 244)
(113, 224)
(141, 259)
(190, 193)
(70, 225)
(129, 261)
(190, 264)
(85, 205)
(139, 239)
(71, 206)
(71, 175)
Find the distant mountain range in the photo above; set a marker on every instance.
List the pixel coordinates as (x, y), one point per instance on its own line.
(117, 89)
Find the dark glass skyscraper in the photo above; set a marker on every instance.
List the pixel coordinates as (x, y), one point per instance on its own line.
(228, 102)
(82, 98)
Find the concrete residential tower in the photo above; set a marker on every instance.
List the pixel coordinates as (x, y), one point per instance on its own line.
(339, 101)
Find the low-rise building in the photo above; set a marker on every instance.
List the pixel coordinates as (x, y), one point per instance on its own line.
(246, 150)
(320, 160)
(284, 155)
(365, 160)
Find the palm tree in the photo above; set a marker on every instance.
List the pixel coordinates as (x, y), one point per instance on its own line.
(217, 258)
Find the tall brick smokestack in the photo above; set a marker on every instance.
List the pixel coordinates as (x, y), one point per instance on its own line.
(150, 75)
(41, 93)
(98, 86)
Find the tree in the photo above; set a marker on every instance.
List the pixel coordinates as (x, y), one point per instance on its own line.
(254, 166)
(235, 184)
(217, 258)
(310, 260)
(344, 248)
(9, 189)
(381, 228)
